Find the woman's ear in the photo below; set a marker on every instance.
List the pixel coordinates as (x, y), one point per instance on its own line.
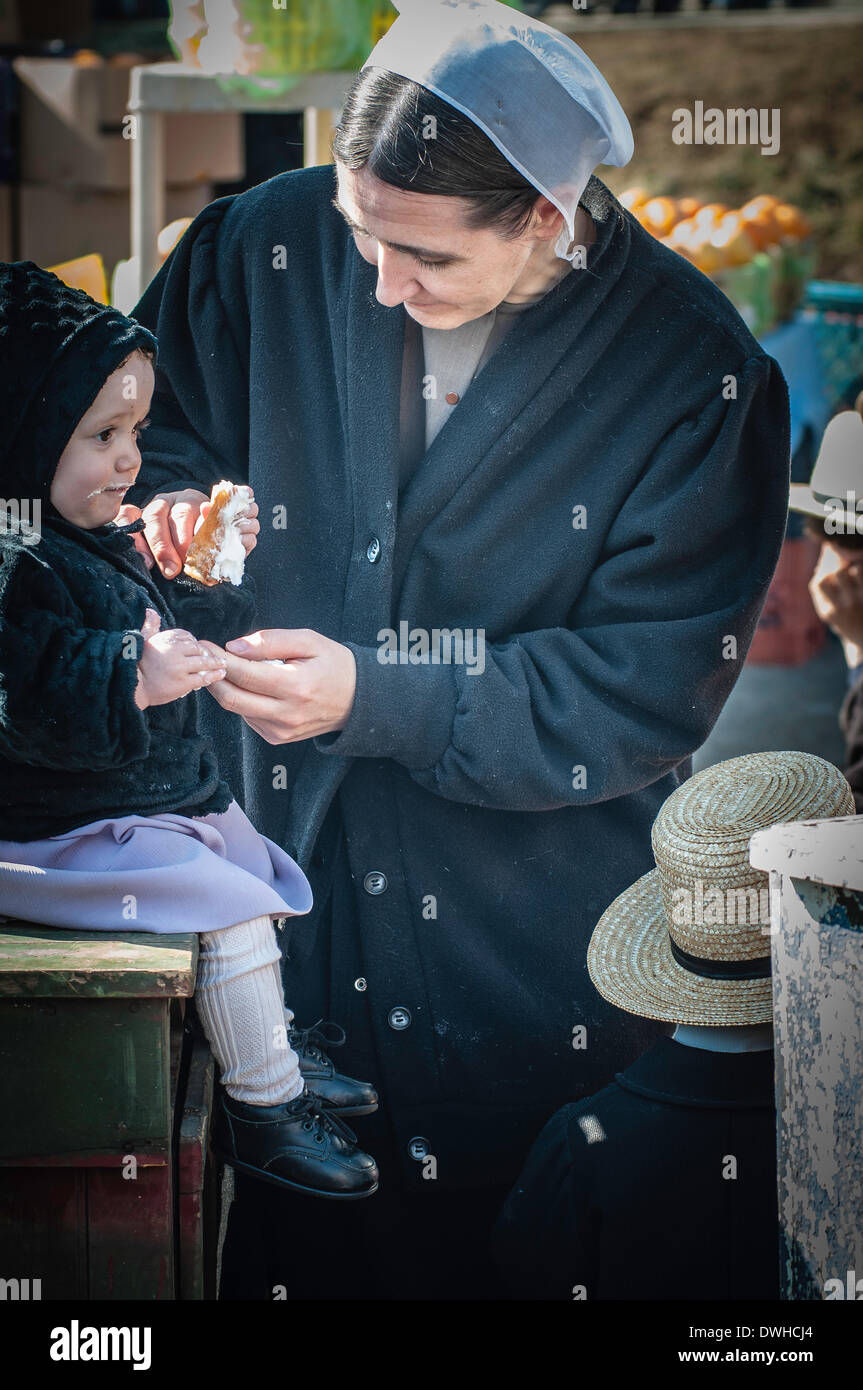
(547, 220)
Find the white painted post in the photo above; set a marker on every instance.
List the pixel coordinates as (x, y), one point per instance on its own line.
(156, 89)
(148, 192)
(816, 876)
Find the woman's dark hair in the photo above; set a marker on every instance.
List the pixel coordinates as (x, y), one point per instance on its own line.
(385, 127)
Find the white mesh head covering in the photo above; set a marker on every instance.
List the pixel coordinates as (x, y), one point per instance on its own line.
(527, 86)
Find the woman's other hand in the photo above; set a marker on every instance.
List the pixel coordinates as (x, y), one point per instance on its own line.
(309, 691)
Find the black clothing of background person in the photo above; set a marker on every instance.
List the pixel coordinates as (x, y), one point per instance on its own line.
(628, 1193)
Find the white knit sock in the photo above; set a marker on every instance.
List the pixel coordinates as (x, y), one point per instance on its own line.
(241, 1007)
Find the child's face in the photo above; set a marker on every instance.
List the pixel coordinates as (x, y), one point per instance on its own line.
(102, 459)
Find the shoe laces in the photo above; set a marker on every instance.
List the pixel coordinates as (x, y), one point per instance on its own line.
(318, 1113)
(313, 1040)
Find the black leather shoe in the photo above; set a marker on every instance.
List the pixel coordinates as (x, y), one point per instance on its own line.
(343, 1093)
(301, 1145)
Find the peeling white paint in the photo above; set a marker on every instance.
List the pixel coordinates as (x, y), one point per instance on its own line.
(817, 956)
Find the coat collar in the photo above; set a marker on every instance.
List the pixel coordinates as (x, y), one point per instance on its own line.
(509, 383)
(107, 532)
(113, 544)
(690, 1076)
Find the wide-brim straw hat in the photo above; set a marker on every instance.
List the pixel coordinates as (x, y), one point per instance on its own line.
(836, 484)
(649, 953)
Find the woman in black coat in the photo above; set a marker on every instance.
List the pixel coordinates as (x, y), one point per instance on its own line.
(605, 505)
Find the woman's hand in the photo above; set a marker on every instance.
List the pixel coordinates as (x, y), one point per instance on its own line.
(311, 693)
(172, 664)
(836, 589)
(171, 519)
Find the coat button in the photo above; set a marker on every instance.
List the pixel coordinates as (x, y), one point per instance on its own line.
(375, 883)
(373, 550)
(361, 984)
(418, 1147)
(452, 398)
(399, 1018)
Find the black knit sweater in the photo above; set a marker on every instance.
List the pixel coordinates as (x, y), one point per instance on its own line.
(74, 746)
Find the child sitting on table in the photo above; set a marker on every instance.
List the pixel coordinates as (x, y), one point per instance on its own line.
(113, 815)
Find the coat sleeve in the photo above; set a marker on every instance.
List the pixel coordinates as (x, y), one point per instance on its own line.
(67, 692)
(199, 418)
(545, 1241)
(851, 724)
(198, 430)
(635, 681)
(213, 612)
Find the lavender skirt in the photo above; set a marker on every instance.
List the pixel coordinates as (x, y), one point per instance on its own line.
(164, 874)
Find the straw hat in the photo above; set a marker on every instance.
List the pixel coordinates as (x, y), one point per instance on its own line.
(687, 943)
(836, 484)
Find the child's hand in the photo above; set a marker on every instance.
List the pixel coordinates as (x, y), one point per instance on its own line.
(171, 520)
(173, 664)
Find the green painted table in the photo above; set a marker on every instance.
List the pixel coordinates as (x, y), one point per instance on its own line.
(105, 1096)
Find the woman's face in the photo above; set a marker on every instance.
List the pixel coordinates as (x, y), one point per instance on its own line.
(443, 272)
(102, 459)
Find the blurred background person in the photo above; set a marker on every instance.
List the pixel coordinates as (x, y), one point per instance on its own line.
(832, 503)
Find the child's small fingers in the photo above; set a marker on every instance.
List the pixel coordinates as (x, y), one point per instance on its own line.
(200, 679)
(192, 651)
(197, 667)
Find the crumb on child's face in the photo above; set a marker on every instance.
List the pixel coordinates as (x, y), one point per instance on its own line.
(102, 458)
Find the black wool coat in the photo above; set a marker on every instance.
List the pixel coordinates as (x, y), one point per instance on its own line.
(74, 746)
(661, 1186)
(503, 810)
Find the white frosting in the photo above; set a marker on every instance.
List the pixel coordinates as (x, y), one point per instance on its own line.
(231, 556)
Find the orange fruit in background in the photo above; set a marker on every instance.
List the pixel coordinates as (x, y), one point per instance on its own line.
(704, 255)
(790, 221)
(679, 250)
(708, 216)
(713, 236)
(633, 198)
(759, 204)
(732, 239)
(658, 215)
(760, 227)
(682, 234)
(758, 217)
